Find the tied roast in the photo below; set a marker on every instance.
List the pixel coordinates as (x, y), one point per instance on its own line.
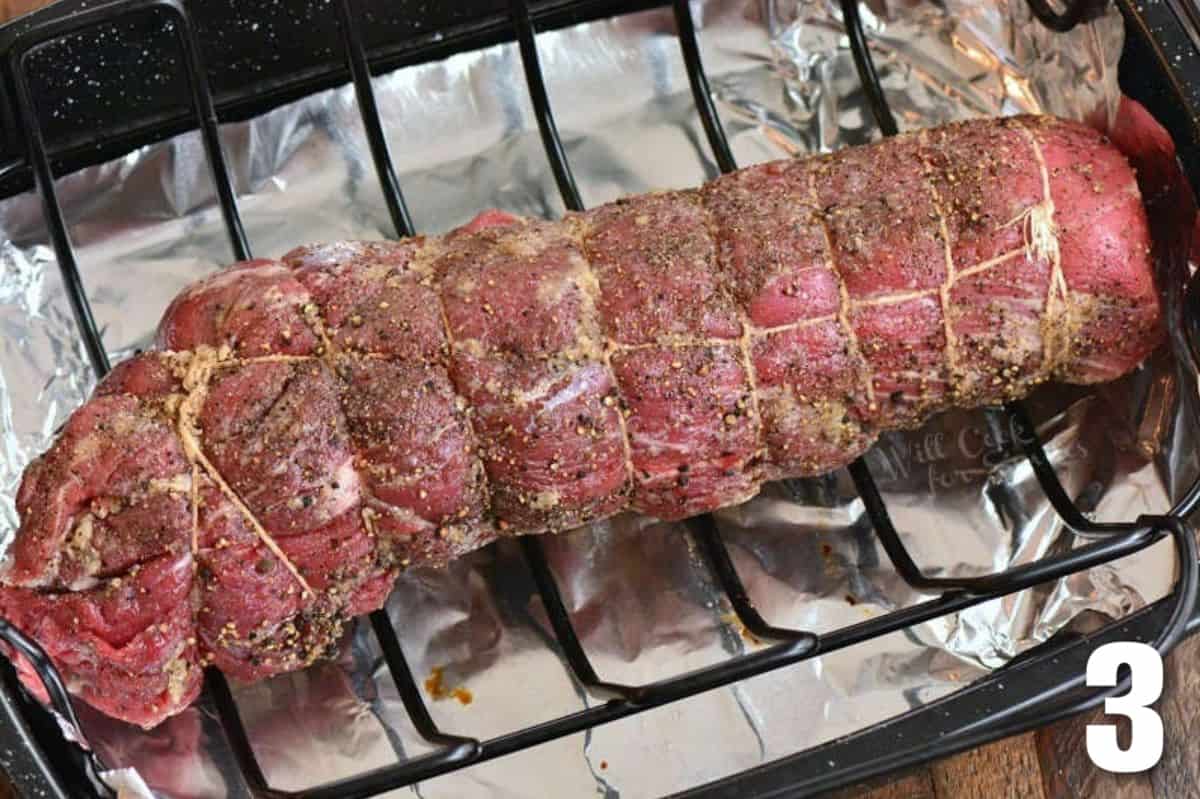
(309, 426)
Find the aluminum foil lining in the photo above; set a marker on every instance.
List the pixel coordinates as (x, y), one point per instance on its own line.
(464, 138)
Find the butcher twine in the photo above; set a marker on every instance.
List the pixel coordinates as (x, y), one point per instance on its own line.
(1040, 239)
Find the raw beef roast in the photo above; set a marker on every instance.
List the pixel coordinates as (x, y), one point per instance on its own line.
(310, 426)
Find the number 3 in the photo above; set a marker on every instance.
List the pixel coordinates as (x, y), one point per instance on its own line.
(1146, 669)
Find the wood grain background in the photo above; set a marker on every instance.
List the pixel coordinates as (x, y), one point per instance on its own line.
(1052, 763)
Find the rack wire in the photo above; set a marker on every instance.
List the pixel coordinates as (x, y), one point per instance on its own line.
(1105, 541)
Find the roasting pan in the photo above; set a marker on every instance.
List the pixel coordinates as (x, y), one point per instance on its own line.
(1160, 67)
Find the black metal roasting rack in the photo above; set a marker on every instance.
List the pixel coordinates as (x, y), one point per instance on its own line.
(1046, 684)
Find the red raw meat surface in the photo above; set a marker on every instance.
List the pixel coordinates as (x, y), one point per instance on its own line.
(309, 427)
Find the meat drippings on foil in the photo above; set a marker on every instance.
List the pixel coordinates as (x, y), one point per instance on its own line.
(435, 686)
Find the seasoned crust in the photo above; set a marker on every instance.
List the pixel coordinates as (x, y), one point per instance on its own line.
(315, 424)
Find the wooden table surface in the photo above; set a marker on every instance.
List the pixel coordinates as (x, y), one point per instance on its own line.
(1052, 763)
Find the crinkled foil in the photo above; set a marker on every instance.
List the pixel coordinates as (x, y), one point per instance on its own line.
(464, 138)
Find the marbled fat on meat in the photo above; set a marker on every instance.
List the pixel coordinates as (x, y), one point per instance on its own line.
(310, 426)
